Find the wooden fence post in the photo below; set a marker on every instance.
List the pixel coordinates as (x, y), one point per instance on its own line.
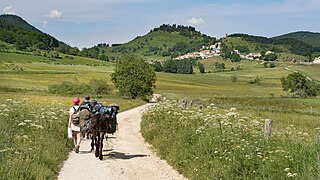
(267, 129)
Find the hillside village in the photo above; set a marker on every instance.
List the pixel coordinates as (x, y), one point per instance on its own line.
(215, 50)
(205, 52)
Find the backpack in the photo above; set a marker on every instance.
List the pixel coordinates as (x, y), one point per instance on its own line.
(112, 120)
(84, 115)
(85, 105)
(75, 118)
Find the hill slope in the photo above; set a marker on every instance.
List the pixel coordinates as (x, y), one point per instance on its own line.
(163, 42)
(15, 30)
(311, 38)
(23, 36)
(279, 44)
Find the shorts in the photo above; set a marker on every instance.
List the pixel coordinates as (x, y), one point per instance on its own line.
(75, 127)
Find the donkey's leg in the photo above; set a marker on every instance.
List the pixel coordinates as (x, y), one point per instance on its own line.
(93, 136)
(97, 144)
(101, 145)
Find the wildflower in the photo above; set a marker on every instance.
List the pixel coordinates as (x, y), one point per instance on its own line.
(289, 174)
(22, 124)
(233, 109)
(287, 169)
(37, 126)
(25, 136)
(4, 150)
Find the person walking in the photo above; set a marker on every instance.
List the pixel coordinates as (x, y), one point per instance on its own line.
(74, 124)
(86, 108)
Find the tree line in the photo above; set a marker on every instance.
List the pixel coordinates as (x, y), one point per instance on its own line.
(296, 46)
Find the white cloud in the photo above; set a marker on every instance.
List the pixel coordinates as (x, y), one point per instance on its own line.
(195, 21)
(55, 14)
(8, 10)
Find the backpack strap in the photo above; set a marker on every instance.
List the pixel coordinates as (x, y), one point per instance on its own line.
(75, 110)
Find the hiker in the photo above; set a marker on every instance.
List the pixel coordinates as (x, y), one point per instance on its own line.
(86, 103)
(86, 109)
(74, 124)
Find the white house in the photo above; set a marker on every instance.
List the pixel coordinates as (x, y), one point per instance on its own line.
(316, 60)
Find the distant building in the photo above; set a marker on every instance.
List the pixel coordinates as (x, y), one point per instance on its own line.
(205, 52)
(316, 60)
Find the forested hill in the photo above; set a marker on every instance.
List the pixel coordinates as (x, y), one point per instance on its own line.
(311, 38)
(16, 21)
(163, 42)
(278, 44)
(23, 36)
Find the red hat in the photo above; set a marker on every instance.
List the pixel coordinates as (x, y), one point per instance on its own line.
(76, 101)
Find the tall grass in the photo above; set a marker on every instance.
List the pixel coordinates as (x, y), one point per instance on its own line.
(33, 140)
(212, 143)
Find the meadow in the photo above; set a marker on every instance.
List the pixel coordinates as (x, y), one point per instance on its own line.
(221, 135)
(34, 122)
(25, 78)
(214, 143)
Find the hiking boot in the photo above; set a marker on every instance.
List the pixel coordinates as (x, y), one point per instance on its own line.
(77, 149)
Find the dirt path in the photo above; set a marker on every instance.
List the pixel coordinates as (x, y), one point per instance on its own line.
(126, 156)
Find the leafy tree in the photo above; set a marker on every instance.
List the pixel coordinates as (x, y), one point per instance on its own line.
(170, 66)
(235, 57)
(178, 66)
(220, 66)
(243, 49)
(201, 68)
(300, 85)
(270, 57)
(133, 77)
(157, 66)
(269, 64)
(184, 66)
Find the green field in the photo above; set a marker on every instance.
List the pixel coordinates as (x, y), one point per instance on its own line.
(26, 77)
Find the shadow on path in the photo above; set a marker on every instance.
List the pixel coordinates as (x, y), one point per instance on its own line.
(118, 155)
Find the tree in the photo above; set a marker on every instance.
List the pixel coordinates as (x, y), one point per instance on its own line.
(156, 65)
(201, 68)
(300, 85)
(133, 77)
(220, 66)
(270, 57)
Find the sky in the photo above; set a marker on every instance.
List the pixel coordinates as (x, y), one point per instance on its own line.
(84, 23)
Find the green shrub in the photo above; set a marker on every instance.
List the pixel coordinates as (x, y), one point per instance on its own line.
(299, 85)
(100, 87)
(256, 80)
(94, 87)
(234, 78)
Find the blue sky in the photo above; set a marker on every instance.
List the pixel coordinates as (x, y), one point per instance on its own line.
(84, 23)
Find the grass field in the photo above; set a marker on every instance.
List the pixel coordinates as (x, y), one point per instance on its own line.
(34, 122)
(26, 77)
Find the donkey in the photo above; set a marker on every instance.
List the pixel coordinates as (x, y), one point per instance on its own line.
(100, 125)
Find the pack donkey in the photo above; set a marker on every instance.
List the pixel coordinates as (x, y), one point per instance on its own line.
(102, 122)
